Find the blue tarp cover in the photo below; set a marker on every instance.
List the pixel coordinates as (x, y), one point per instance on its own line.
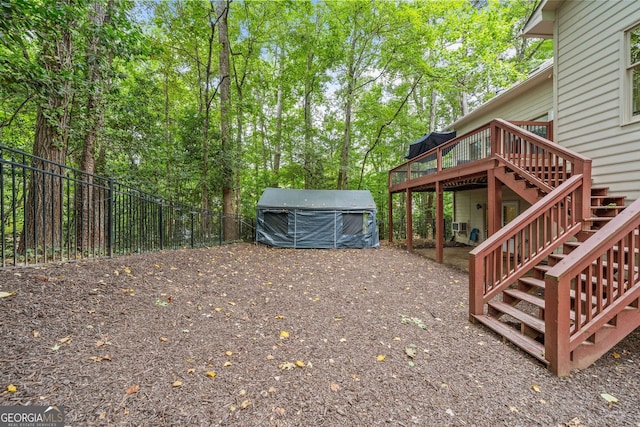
(317, 219)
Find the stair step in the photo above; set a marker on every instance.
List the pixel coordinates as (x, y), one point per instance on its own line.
(529, 345)
(532, 281)
(525, 296)
(573, 245)
(543, 268)
(527, 319)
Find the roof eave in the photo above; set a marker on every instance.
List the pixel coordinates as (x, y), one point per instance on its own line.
(541, 22)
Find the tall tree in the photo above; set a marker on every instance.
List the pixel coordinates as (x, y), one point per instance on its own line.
(229, 154)
(52, 128)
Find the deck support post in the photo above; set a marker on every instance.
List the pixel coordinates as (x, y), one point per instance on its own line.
(494, 202)
(439, 223)
(409, 220)
(390, 218)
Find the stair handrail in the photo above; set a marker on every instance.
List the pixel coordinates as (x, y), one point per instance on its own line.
(531, 236)
(609, 289)
(541, 158)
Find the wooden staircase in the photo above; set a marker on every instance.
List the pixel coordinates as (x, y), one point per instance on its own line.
(518, 312)
(562, 279)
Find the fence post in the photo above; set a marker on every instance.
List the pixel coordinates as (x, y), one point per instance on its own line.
(160, 224)
(110, 227)
(192, 231)
(220, 219)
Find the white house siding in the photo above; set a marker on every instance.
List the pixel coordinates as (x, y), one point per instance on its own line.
(467, 211)
(589, 62)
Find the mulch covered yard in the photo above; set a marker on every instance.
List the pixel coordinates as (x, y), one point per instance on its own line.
(255, 336)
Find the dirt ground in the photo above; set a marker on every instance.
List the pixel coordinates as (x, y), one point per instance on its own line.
(247, 335)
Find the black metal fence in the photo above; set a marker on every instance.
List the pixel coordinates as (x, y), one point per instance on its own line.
(50, 212)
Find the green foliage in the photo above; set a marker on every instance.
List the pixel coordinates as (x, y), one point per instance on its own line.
(405, 67)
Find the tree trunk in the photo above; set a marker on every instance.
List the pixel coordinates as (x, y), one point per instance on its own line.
(43, 226)
(343, 173)
(228, 153)
(277, 144)
(90, 233)
(310, 167)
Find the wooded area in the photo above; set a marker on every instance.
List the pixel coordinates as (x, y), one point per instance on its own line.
(208, 102)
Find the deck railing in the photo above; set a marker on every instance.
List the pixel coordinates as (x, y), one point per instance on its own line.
(547, 163)
(592, 285)
(472, 146)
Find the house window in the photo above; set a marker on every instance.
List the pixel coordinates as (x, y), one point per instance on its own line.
(632, 41)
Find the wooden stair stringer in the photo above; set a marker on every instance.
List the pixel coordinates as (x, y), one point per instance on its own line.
(530, 194)
(586, 353)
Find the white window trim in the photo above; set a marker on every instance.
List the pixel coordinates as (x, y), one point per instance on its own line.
(626, 89)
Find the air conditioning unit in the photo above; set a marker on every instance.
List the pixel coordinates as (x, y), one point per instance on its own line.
(459, 227)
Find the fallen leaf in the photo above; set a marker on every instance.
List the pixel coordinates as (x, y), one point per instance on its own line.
(100, 359)
(616, 355)
(127, 270)
(210, 374)
(100, 343)
(245, 404)
(381, 358)
(279, 317)
(177, 383)
(287, 365)
(11, 388)
(300, 364)
(270, 357)
(133, 389)
(228, 352)
(8, 294)
(36, 334)
(609, 398)
(535, 388)
(64, 340)
(56, 347)
(334, 387)
(231, 303)
(164, 339)
(271, 390)
(411, 351)
(284, 334)
(227, 364)
(190, 371)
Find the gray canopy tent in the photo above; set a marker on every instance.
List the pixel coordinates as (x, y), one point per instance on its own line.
(317, 219)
